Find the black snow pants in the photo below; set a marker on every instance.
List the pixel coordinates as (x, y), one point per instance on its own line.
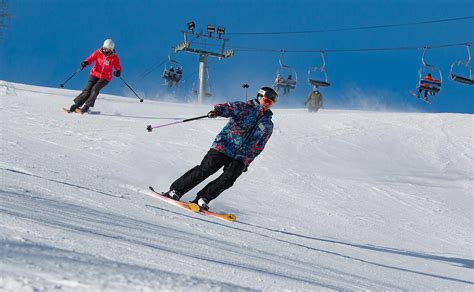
(90, 92)
(210, 164)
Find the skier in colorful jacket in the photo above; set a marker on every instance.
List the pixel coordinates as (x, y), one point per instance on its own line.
(241, 140)
(105, 60)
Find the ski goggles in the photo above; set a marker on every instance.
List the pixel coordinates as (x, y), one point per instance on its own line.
(107, 51)
(267, 101)
(268, 93)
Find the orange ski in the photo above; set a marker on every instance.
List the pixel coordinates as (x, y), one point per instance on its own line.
(192, 206)
(222, 216)
(183, 205)
(78, 110)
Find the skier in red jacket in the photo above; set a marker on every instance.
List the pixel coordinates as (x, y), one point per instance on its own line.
(105, 59)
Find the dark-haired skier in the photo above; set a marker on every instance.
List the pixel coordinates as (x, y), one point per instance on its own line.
(241, 140)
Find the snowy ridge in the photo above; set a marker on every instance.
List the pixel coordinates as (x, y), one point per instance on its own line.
(339, 200)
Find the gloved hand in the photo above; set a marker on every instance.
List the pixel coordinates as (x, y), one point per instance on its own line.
(212, 114)
(83, 65)
(117, 73)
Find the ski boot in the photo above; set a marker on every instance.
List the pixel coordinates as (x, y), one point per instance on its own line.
(84, 109)
(172, 194)
(73, 108)
(203, 204)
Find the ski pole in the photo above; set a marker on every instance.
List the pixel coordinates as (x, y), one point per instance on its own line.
(150, 127)
(70, 77)
(141, 99)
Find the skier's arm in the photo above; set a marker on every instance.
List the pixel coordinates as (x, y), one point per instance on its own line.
(117, 66)
(92, 57)
(307, 100)
(261, 145)
(230, 109)
(258, 148)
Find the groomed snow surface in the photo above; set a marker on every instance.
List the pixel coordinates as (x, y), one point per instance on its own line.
(339, 200)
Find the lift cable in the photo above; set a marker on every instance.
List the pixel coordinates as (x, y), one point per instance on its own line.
(407, 48)
(354, 28)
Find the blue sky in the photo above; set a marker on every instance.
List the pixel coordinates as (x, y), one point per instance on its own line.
(46, 41)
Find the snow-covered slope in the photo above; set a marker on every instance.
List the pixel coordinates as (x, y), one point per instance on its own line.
(339, 200)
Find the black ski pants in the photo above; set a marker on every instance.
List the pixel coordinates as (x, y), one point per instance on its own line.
(210, 164)
(90, 92)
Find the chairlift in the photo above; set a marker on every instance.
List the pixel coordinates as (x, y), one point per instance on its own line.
(432, 85)
(317, 76)
(173, 73)
(286, 77)
(468, 80)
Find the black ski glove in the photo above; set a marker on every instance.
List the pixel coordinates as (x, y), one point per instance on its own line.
(117, 73)
(83, 65)
(212, 114)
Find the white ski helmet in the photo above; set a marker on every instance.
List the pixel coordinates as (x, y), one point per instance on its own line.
(109, 44)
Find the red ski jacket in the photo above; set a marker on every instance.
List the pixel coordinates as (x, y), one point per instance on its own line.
(103, 64)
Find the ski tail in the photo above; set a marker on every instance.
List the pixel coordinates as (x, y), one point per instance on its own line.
(66, 110)
(188, 206)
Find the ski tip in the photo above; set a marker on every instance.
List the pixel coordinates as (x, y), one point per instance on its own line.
(222, 216)
(231, 217)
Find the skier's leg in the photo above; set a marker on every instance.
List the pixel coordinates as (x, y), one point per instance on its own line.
(231, 172)
(211, 163)
(101, 83)
(84, 95)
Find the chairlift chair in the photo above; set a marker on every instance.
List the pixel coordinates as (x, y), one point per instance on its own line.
(468, 80)
(317, 76)
(434, 85)
(286, 77)
(173, 73)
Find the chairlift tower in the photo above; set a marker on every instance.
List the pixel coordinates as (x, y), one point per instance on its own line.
(203, 53)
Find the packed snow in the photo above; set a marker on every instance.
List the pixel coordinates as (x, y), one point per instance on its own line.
(338, 200)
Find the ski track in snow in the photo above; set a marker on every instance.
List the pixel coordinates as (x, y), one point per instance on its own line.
(339, 200)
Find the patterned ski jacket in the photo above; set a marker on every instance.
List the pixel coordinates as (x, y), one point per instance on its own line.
(103, 64)
(248, 130)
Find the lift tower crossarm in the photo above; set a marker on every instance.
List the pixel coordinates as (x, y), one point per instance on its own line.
(203, 53)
